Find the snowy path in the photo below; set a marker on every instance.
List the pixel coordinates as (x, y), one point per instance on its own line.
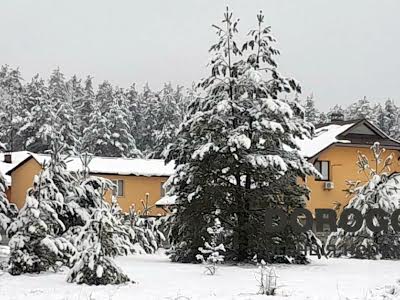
(157, 278)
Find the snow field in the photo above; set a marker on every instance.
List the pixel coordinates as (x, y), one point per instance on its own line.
(157, 278)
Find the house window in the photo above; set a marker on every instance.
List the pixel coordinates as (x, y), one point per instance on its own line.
(322, 167)
(118, 188)
(162, 189)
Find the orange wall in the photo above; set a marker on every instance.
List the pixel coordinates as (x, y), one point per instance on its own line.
(342, 167)
(22, 179)
(135, 187)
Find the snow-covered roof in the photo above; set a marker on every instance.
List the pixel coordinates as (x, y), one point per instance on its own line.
(17, 158)
(113, 165)
(357, 132)
(324, 137)
(166, 200)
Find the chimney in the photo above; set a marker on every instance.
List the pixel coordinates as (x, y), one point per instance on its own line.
(337, 116)
(7, 158)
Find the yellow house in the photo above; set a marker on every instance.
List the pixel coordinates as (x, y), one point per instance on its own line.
(333, 151)
(138, 182)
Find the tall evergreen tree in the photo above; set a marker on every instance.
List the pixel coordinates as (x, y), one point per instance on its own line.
(135, 114)
(168, 120)
(121, 143)
(97, 135)
(104, 97)
(391, 119)
(87, 105)
(236, 153)
(11, 90)
(311, 113)
(149, 122)
(39, 122)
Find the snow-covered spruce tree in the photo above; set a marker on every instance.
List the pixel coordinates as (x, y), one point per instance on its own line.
(236, 151)
(10, 102)
(39, 120)
(121, 143)
(379, 117)
(311, 113)
(36, 244)
(61, 97)
(322, 118)
(75, 93)
(392, 119)
(74, 211)
(135, 113)
(8, 211)
(149, 120)
(148, 236)
(359, 110)
(87, 105)
(211, 252)
(108, 133)
(379, 191)
(168, 119)
(102, 238)
(97, 134)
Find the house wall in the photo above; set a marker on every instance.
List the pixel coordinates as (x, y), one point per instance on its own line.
(22, 179)
(342, 167)
(135, 187)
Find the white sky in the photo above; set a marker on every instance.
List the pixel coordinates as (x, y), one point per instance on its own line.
(340, 50)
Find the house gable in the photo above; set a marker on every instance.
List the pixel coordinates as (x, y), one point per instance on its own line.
(363, 133)
(362, 129)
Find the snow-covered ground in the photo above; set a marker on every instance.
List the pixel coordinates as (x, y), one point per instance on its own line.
(157, 278)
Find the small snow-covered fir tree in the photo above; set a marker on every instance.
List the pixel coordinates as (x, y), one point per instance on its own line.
(35, 244)
(102, 238)
(211, 252)
(148, 236)
(379, 191)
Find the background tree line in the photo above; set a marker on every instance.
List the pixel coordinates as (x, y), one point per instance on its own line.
(114, 121)
(107, 121)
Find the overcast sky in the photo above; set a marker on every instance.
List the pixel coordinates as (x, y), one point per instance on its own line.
(340, 50)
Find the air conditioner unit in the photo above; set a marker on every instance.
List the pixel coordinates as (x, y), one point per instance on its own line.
(328, 185)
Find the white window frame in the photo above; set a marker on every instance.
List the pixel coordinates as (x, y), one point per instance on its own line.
(323, 167)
